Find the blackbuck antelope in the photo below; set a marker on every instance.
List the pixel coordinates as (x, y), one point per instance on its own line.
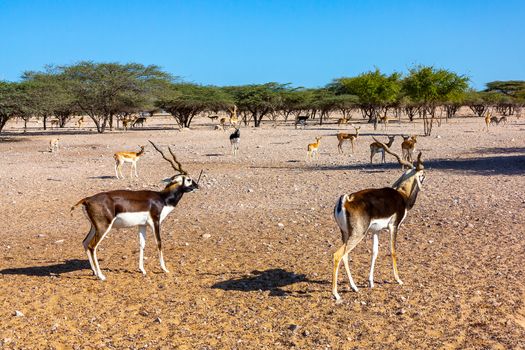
(235, 140)
(301, 120)
(139, 121)
(120, 209)
(313, 148)
(55, 123)
(53, 145)
(342, 137)
(407, 147)
(127, 157)
(495, 120)
(375, 147)
(373, 210)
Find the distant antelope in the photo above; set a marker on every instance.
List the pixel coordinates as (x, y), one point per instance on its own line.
(213, 118)
(235, 140)
(301, 120)
(494, 120)
(373, 210)
(375, 147)
(80, 121)
(53, 145)
(127, 122)
(127, 157)
(139, 121)
(408, 146)
(384, 120)
(234, 120)
(342, 137)
(119, 209)
(342, 121)
(55, 123)
(487, 121)
(313, 148)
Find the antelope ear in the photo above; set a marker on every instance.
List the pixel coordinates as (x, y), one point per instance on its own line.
(167, 180)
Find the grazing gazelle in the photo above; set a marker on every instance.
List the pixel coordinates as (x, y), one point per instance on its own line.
(123, 208)
(127, 157)
(377, 148)
(373, 210)
(342, 137)
(313, 148)
(235, 140)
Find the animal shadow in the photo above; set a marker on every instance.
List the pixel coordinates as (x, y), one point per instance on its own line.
(270, 280)
(48, 270)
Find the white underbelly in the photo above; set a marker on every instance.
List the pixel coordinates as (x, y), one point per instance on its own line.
(380, 224)
(165, 211)
(131, 219)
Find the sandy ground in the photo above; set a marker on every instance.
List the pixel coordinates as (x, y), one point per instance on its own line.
(252, 283)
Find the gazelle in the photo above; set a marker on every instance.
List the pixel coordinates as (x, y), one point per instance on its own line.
(342, 137)
(80, 122)
(234, 120)
(384, 120)
(53, 145)
(55, 123)
(342, 121)
(123, 208)
(487, 121)
(313, 148)
(408, 146)
(235, 140)
(375, 147)
(127, 157)
(373, 210)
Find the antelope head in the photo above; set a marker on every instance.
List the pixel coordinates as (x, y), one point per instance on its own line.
(181, 179)
(412, 179)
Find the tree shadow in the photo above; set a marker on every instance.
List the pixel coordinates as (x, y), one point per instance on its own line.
(269, 280)
(493, 165)
(48, 270)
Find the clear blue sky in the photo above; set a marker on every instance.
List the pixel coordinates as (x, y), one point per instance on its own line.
(306, 43)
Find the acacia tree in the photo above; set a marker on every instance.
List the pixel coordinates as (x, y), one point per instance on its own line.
(13, 102)
(256, 101)
(428, 87)
(377, 92)
(48, 96)
(102, 90)
(184, 101)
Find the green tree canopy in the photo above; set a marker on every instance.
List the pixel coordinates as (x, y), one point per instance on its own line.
(13, 101)
(103, 90)
(184, 101)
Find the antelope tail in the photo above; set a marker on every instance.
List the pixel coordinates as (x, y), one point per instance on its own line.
(82, 201)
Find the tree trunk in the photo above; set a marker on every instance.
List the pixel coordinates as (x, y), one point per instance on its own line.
(3, 121)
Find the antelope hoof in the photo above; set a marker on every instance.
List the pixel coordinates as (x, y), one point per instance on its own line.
(143, 271)
(102, 277)
(399, 281)
(165, 270)
(371, 283)
(337, 297)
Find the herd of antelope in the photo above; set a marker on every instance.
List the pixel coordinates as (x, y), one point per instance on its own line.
(357, 214)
